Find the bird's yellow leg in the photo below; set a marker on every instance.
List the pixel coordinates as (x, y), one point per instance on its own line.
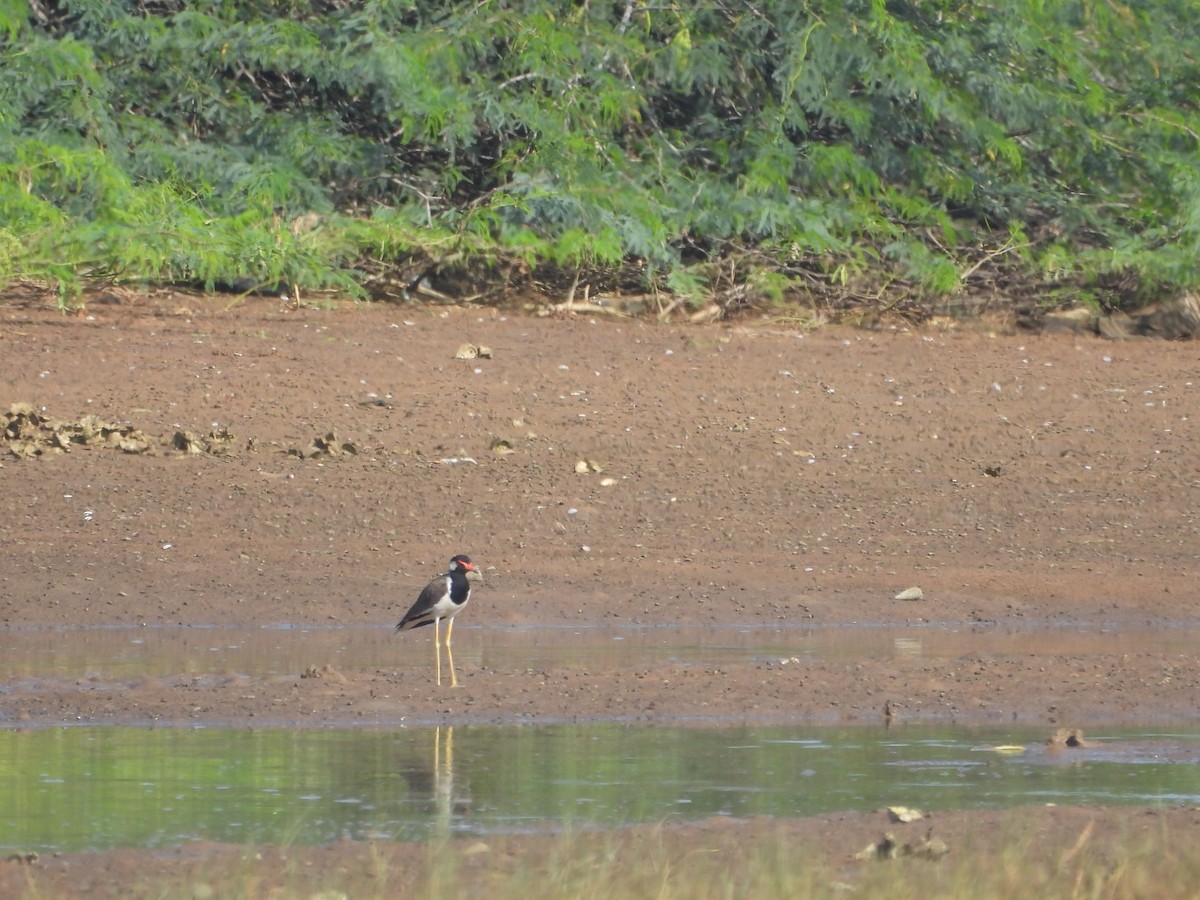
(450, 654)
(437, 648)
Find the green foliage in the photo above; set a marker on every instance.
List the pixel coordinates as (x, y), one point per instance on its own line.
(872, 143)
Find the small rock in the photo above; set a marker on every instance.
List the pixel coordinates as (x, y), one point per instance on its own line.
(325, 671)
(912, 593)
(1068, 737)
(1174, 320)
(1116, 326)
(888, 847)
(885, 848)
(473, 351)
(928, 847)
(1079, 320)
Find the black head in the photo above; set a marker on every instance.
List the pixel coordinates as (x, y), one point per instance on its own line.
(461, 563)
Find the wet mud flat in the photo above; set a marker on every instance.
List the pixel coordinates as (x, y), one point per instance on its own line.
(313, 676)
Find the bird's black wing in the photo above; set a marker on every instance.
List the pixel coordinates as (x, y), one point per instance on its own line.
(422, 612)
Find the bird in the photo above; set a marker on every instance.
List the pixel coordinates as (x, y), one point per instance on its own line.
(443, 598)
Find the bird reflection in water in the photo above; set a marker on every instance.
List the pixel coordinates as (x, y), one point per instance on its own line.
(432, 782)
(443, 775)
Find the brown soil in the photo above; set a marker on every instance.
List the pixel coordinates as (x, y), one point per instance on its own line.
(758, 476)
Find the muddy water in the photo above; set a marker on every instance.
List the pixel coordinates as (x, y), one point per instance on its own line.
(125, 652)
(97, 788)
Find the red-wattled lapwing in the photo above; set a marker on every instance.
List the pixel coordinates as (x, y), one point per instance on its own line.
(443, 598)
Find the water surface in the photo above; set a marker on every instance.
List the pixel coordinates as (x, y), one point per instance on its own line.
(97, 788)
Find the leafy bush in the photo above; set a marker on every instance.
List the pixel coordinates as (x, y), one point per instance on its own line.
(838, 152)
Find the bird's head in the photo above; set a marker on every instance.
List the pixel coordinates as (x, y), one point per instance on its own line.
(463, 564)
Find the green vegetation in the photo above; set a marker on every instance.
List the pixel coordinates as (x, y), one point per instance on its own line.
(743, 151)
(619, 866)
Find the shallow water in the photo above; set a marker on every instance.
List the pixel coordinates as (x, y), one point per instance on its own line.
(98, 788)
(159, 650)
